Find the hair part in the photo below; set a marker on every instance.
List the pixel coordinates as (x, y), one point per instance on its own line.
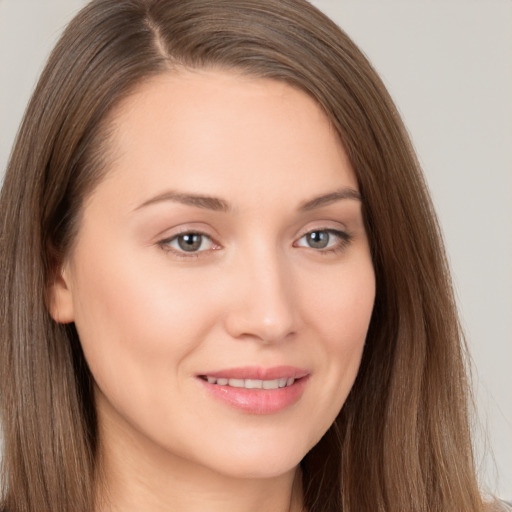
(401, 441)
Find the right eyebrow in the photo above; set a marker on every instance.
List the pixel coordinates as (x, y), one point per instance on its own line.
(197, 200)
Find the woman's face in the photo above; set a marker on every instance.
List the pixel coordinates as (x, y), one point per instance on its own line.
(221, 280)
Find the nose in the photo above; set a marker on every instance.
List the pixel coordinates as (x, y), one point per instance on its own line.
(262, 305)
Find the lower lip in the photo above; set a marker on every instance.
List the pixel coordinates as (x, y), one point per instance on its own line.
(258, 401)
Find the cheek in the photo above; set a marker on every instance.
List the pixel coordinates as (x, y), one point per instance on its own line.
(131, 317)
(341, 315)
(350, 309)
(342, 304)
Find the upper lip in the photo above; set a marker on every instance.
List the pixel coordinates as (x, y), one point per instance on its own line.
(258, 373)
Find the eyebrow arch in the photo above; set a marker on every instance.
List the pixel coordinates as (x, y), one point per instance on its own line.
(199, 201)
(220, 205)
(332, 197)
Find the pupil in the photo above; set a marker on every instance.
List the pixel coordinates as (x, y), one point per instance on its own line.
(190, 242)
(318, 239)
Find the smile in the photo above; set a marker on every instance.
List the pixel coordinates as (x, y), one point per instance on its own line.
(251, 383)
(257, 390)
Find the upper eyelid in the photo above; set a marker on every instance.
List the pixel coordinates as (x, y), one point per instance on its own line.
(324, 228)
(184, 230)
(341, 233)
(333, 226)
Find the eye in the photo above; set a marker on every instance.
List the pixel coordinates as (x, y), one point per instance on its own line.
(190, 242)
(324, 239)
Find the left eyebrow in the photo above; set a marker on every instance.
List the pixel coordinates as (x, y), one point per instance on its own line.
(332, 197)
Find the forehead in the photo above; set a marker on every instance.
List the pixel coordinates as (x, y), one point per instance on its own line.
(207, 130)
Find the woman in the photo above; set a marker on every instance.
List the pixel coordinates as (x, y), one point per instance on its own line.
(220, 197)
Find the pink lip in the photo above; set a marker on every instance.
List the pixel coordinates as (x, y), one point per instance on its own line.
(257, 372)
(258, 401)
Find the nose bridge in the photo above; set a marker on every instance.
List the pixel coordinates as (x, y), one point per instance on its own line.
(263, 304)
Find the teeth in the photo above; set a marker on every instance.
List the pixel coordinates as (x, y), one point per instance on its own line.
(252, 383)
(270, 384)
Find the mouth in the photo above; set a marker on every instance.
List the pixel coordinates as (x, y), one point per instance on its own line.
(257, 390)
(283, 382)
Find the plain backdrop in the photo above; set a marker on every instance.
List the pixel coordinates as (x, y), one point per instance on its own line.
(448, 65)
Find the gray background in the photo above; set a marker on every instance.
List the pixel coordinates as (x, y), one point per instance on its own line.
(448, 65)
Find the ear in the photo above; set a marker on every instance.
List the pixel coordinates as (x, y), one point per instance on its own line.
(60, 298)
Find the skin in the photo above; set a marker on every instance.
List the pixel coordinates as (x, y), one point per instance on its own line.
(152, 317)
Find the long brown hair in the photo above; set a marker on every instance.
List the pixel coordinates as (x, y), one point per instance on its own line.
(401, 441)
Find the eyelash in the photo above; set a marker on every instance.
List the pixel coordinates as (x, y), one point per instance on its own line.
(344, 239)
(165, 244)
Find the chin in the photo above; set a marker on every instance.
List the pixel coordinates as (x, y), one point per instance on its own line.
(259, 469)
(258, 460)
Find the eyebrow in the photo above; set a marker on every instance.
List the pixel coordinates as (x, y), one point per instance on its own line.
(199, 201)
(220, 205)
(332, 197)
